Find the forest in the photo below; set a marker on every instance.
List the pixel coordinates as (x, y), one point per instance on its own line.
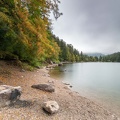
(115, 57)
(26, 34)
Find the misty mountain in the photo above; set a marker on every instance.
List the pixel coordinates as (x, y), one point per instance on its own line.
(95, 54)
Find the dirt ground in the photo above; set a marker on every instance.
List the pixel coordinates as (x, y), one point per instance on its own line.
(29, 107)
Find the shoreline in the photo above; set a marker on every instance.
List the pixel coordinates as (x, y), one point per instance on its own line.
(102, 99)
(72, 105)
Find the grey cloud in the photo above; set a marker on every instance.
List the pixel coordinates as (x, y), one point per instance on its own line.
(90, 25)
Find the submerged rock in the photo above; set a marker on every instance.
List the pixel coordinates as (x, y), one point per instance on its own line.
(51, 107)
(44, 87)
(9, 94)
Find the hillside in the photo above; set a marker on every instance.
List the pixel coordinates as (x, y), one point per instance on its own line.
(115, 57)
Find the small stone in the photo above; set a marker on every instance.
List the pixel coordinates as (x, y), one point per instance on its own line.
(51, 107)
(48, 75)
(66, 87)
(22, 70)
(50, 81)
(44, 75)
(66, 83)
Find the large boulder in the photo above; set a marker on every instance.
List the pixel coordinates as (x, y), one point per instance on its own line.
(51, 107)
(44, 87)
(9, 94)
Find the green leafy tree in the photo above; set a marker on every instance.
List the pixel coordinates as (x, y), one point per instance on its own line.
(24, 26)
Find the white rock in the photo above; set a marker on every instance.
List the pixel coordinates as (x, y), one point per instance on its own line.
(51, 106)
(6, 92)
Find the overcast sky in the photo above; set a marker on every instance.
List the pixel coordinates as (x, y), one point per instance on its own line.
(90, 25)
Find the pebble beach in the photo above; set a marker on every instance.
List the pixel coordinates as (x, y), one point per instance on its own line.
(30, 106)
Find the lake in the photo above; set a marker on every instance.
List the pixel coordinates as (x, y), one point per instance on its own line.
(97, 81)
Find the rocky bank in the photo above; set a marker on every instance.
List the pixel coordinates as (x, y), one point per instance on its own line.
(72, 106)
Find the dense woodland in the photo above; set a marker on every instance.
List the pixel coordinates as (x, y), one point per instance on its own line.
(25, 30)
(115, 57)
(26, 34)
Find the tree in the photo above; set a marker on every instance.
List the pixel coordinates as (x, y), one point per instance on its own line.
(24, 29)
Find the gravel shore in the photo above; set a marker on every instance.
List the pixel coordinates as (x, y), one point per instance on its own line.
(29, 107)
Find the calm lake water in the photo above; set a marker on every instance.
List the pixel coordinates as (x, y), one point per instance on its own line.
(97, 81)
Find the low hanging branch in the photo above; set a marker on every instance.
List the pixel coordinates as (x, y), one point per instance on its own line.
(54, 7)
